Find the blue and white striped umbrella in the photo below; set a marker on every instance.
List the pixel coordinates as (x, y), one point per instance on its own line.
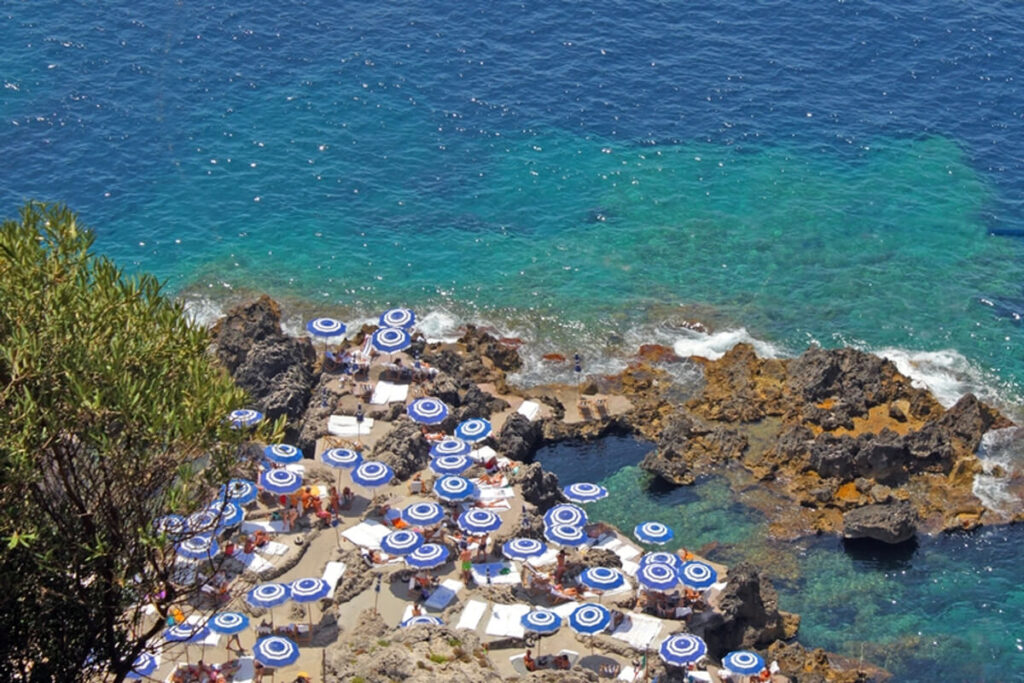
(309, 589)
(452, 488)
(280, 481)
(473, 430)
(427, 410)
(230, 513)
(282, 453)
(372, 474)
(565, 513)
(657, 576)
(341, 458)
(241, 491)
(584, 492)
(268, 595)
(401, 542)
(275, 651)
(565, 534)
(662, 557)
(523, 548)
(743, 662)
(450, 446)
(423, 513)
(590, 618)
(244, 417)
(427, 556)
(450, 464)
(681, 649)
(398, 317)
(602, 578)
(697, 575)
(653, 532)
(198, 547)
(186, 633)
(228, 622)
(477, 521)
(541, 621)
(202, 522)
(325, 327)
(390, 339)
(422, 620)
(173, 525)
(143, 666)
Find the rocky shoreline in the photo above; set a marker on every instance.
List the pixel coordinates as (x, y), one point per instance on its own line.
(834, 441)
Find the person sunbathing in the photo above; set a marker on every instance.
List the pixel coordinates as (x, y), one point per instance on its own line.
(684, 554)
(562, 662)
(529, 662)
(559, 591)
(597, 529)
(346, 498)
(260, 538)
(431, 436)
(492, 479)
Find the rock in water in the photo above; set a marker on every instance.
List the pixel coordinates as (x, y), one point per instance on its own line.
(890, 522)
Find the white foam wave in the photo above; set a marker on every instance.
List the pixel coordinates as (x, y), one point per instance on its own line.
(203, 311)
(1001, 453)
(715, 345)
(439, 326)
(947, 374)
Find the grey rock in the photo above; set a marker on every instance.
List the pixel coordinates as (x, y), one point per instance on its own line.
(889, 522)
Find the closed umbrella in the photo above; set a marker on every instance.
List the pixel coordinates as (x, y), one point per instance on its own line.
(275, 651)
(244, 417)
(397, 317)
(423, 514)
(565, 534)
(477, 521)
(450, 445)
(523, 548)
(658, 577)
(653, 532)
(450, 464)
(565, 513)
(427, 410)
(281, 482)
(427, 556)
(282, 453)
(681, 649)
(584, 492)
(473, 430)
(452, 488)
(401, 542)
(697, 575)
(390, 339)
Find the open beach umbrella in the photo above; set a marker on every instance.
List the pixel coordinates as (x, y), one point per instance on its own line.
(174, 526)
(244, 417)
(325, 327)
(281, 482)
(541, 621)
(422, 620)
(309, 590)
(681, 649)
(186, 633)
(390, 339)
(202, 522)
(427, 556)
(661, 557)
(268, 596)
(584, 492)
(743, 662)
(523, 548)
(450, 445)
(275, 651)
(144, 665)
(565, 534)
(199, 547)
(653, 532)
(371, 474)
(423, 514)
(452, 488)
(473, 430)
(282, 453)
(602, 578)
(398, 317)
(341, 458)
(241, 491)
(565, 513)
(657, 576)
(697, 575)
(588, 619)
(228, 622)
(229, 514)
(427, 410)
(450, 464)
(401, 542)
(477, 521)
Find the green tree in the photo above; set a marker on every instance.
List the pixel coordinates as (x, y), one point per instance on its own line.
(112, 414)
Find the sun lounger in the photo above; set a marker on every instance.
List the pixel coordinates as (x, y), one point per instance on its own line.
(624, 588)
(388, 392)
(626, 551)
(482, 454)
(253, 562)
(479, 572)
(332, 574)
(630, 568)
(572, 655)
(699, 675)
(495, 492)
(346, 425)
(367, 534)
(471, 615)
(548, 558)
(517, 664)
(274, 548)
(263, 525)
(506, 621)
(443, 594)
(609, 542)
(639, 631)
(529, 409)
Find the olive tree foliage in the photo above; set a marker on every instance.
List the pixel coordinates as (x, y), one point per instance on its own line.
(112, 414)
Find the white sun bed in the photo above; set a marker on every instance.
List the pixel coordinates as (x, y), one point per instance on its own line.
(506, 621)
(549, 557)
(267, 526)
(332, 574)
(253, 562)
(443, 594)
(626, 551)
(346, 425)
(529, 409)
(245, 671)
(367, 534)
(471, 615)
(565, 609)
(482, 454)
(630, 568)
(274, 548)
(388, 392)
(639, 631)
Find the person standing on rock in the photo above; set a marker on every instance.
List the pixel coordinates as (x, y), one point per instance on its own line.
(466, 558)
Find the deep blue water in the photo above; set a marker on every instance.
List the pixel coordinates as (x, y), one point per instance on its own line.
(583, 175)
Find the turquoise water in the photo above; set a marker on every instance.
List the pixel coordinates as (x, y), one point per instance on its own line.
(584, 176)
(946, 608)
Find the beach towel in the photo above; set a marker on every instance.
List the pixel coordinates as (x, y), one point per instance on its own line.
(346, 425)
(517, 664)
(506, 620)
(499, 575)
(482, 454)
(274, 548)
(253, 562)
(263, 525)
(471, 615)
(528, 409)
(367, 534)
(443, 594)
(245, 671)
(332, 574)
(565, 609)
(490, 493)
(549, 557)
(388, 392)
(639, 631)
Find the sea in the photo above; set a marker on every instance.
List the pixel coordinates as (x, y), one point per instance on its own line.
(587, 177)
